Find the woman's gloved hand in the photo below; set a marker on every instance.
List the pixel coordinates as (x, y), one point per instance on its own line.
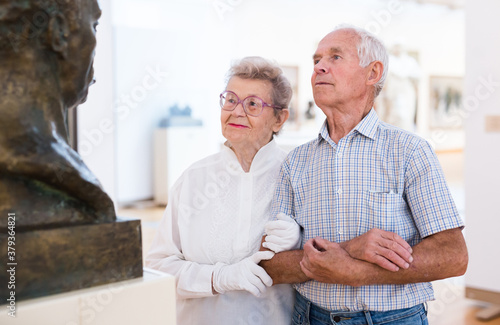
(282, 234)
(244, 275)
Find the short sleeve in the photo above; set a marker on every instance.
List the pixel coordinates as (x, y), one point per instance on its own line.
(427, 194)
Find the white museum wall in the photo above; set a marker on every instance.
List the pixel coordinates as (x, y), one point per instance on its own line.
(192, 42)
(175, 40)
(482, 154)
(96, 127)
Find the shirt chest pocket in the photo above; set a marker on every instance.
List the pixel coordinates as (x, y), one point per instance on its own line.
(383, 210)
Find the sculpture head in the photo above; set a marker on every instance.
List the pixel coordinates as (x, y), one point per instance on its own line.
(47, 51)
(60, 33)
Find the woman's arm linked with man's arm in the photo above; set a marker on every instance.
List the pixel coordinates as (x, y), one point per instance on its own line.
(376, 257)
(382, 248)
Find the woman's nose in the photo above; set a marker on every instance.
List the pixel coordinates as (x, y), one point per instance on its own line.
(239, 110)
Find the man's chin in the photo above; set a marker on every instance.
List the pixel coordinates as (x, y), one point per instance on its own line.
(322, 98)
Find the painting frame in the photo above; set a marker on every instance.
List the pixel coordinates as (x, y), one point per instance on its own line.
(446, 102)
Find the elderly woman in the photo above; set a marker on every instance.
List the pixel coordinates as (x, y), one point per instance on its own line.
(211, 231)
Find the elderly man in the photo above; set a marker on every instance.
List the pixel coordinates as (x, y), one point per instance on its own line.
(363, 181)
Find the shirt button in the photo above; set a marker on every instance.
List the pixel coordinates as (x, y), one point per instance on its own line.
(339, 191)
(340, 232)
(339, 155)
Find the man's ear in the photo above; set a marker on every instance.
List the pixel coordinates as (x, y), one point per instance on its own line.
(375, 72)
(58, 32)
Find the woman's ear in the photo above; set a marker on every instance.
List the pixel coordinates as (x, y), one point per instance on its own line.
(375, 72)
(281, 119)
(58, 33)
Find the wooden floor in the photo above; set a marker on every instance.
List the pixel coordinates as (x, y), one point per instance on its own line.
(450, 307)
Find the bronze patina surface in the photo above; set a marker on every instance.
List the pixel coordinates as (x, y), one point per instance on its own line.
(46, 57)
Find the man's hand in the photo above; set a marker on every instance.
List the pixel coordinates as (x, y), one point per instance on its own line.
(383, 248)
(326, 261)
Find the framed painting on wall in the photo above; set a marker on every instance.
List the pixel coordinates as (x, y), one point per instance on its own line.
(446, 106)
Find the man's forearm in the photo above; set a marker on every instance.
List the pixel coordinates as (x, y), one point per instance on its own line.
(284, 267)
(438, 256)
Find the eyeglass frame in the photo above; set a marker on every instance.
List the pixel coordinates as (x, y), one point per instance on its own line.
(240, 101)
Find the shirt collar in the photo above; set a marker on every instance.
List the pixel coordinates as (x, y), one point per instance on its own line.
(260, 162)
(323, 132)
(367, 127)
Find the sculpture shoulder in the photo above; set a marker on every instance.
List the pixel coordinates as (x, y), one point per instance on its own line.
(52, 180)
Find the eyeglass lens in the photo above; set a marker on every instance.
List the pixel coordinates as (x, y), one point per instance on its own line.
(251, 105)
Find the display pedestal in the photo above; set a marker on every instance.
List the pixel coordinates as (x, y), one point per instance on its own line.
(52, 261)
(147, 300)
(490, 296)
(489, 313)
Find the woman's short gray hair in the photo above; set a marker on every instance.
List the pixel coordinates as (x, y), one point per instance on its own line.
(370, 48)
(256, 67)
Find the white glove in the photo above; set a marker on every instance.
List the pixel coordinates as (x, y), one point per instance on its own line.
(244, 275)
(282, 234)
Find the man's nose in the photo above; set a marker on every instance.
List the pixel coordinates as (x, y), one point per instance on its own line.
(320, 67)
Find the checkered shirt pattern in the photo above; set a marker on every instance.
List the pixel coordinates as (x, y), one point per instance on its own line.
(378, 176)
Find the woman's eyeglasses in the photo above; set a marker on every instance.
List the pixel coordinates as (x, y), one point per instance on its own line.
(252, 105)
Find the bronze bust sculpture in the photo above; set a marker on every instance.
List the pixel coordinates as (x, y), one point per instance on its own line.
(66, 233)
(46, 55)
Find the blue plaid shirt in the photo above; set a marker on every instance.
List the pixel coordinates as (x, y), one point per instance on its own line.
(377, 176)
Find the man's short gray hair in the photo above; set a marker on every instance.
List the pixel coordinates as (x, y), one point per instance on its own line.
(370, 48)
